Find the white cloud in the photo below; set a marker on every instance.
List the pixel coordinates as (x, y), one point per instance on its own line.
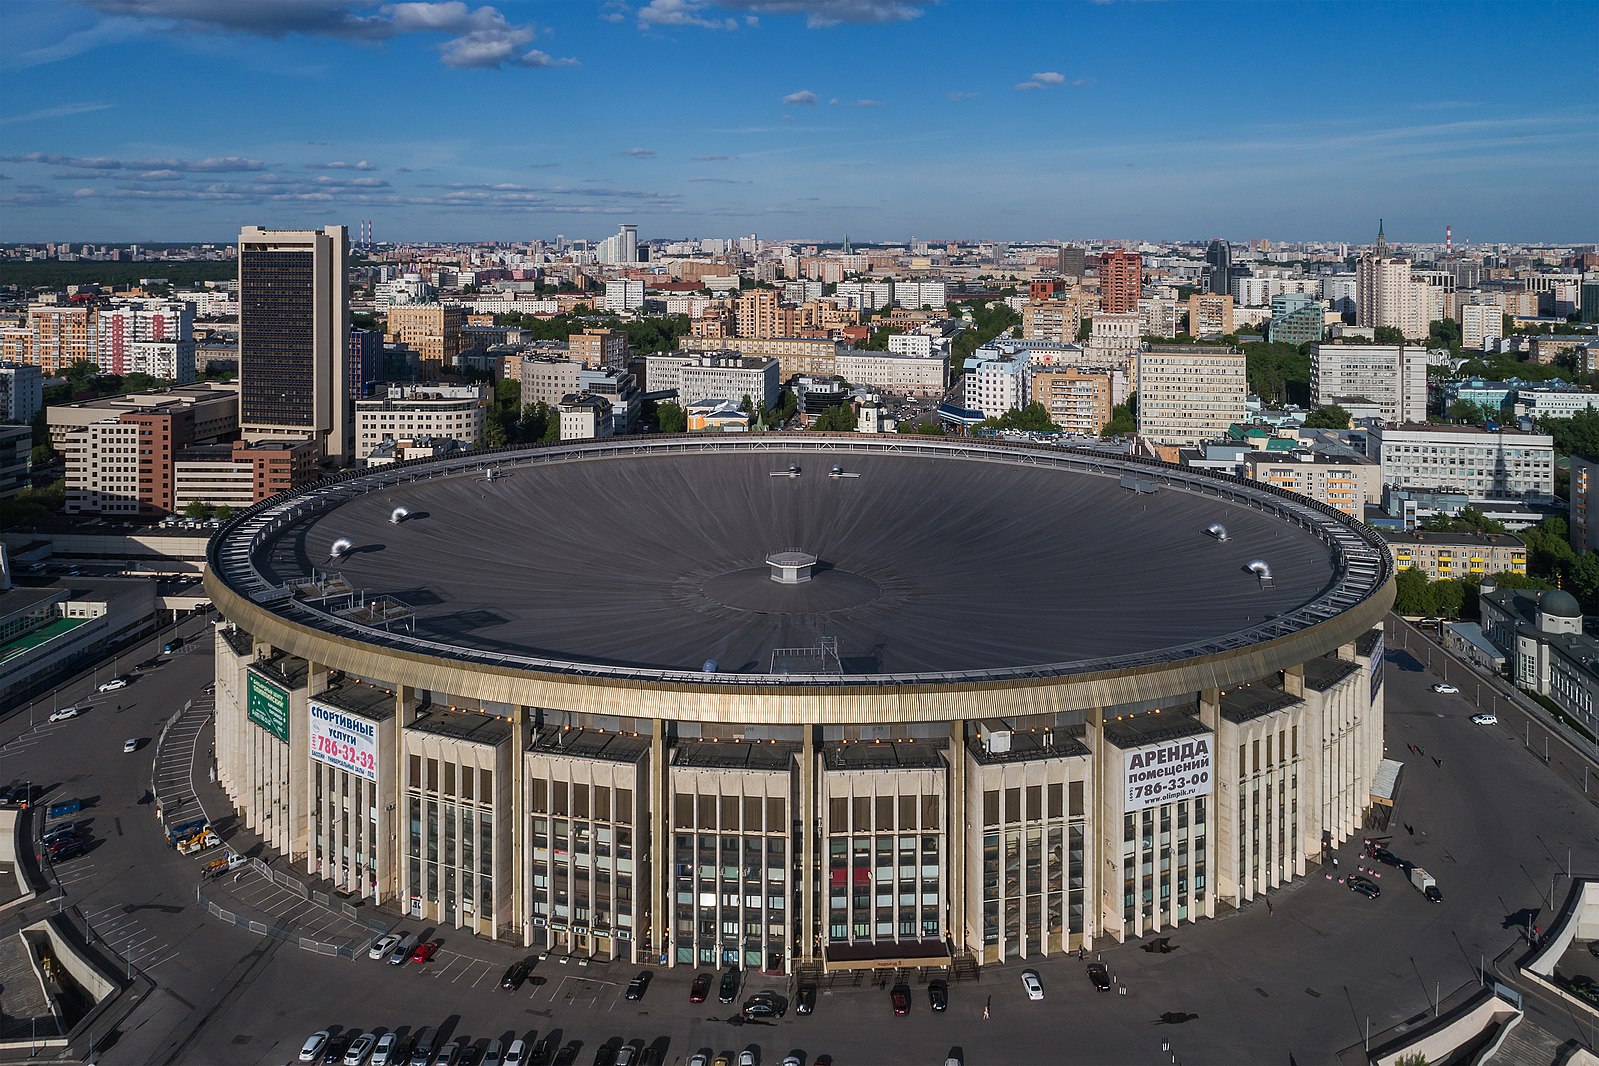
(661, 13)
(59, 111)
(477, 37)
(1050, 77)
(804, 97)
(820, 14)
(640, 153)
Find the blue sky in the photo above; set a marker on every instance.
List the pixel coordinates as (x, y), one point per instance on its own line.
(184, 119)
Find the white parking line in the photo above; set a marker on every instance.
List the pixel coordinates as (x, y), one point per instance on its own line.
(160, 961)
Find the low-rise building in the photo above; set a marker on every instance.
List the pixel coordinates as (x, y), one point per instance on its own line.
(996, 381)
(1481, 464)
(599, 347)
(722, 416)
(714, 375)
(1542, 403)
(210, 410)
(794, 355)
(902, 375)
(405, 450)
(240, 474)
(584, 416)
(409, 411)
(1542, 636)
(1345, 482)
(1457, 555)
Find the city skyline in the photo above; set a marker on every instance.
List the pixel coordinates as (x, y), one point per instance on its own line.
(168, 120)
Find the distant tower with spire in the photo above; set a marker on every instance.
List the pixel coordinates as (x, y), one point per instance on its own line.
(1382, 242)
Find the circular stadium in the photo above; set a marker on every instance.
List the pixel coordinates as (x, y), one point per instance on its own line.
(794, 625)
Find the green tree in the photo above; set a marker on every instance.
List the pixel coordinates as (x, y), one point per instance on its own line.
(1413, 593)
(1577, 435)
(878, 341)
(222, 513)
(1033, 418)
(1277, 373)
(196, 509)
(1444, 333)
(988, 322)
(1085, 328)
(1388, 335)
(494, 432)
(1123, 419)
(1329, 417)
(1471, 411)
(1549, 552)
(669, 417)
(1585, 581)
(840, 419)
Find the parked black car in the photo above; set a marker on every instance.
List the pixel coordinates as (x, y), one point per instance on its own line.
(938, 995)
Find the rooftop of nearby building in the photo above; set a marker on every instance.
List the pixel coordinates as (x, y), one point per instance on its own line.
(176, 395)
(470, 727)
(1462, 540)
(735, 754)
(884, 755)
(1137, 730)
(1248, 702)
(590, 744)
(1454, 430)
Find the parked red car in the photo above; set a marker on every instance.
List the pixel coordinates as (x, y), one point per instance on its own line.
(425, 951)
(702, 986)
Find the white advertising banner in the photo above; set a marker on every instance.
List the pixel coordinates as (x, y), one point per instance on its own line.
(1169, 771)
(344, 740)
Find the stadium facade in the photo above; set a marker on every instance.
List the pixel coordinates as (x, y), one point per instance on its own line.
(800, 702)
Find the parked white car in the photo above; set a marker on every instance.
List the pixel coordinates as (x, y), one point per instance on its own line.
(383, 945)
(311, 1050)
(114, 684)
(1034, 987)
(63, 714)
(1485, 719)
(1445, 687)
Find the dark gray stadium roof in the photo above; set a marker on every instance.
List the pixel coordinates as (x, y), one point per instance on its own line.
(929, 563)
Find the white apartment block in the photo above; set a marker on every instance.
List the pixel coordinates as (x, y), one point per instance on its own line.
(1500, 465)
(211, 303)
(584, 417)
(866, 295)
(622, 294)
(411, 411)
(921, 294)
(1258, 290)
(1113, 337)
(229, 483)
(996, 383)
(1388, 294)
(1391, 376)
(901, 375)
(102, 461)
(1157, 317)
(1479, 324)
(723, 375)
(507, 303)
(1188, 393)
(923, 345)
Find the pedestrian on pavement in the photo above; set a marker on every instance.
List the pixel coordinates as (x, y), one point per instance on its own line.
(1437, 761)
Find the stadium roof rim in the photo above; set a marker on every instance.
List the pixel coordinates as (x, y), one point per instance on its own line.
(1363, 566)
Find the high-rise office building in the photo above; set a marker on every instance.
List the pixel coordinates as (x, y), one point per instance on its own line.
(1070, 261)
(1121, 278)
(294, 325)
(1188, 393)
(621, 248)
(1218, 268)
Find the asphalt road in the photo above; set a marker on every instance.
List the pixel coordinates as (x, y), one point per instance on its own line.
(1490, 820)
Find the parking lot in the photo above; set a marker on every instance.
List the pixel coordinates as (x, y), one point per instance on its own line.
(1491, 821)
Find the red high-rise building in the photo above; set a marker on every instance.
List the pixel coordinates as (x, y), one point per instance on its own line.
(1121, 277)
